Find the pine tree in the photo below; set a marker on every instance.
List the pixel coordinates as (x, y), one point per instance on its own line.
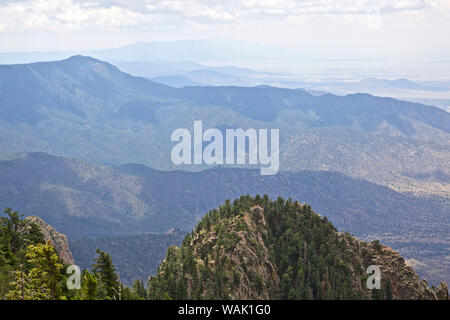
(105, 271)
(33, 235)
(138, 289)
(89, 286)
(12, 225)
(285, 286)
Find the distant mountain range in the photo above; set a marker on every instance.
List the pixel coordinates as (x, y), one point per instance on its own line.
(169, 61)
(204, 77)
(189, 73)
(85, 108)
(374, 85)
(202, 50)
(85, 144)
(90, 110)
(154, 68)
(428, 92)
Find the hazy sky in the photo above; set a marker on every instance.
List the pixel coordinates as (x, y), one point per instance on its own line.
(411, 28)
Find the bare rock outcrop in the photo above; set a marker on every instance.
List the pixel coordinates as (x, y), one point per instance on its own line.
(57, 240)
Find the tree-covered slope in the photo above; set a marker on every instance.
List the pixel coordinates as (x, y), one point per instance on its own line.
(82, 199)
(255, 248)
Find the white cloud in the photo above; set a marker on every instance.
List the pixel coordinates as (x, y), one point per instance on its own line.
(320, 27)
(51, 15)
(46, 15)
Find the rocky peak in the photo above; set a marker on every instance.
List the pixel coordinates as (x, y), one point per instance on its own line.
(57, 240)
(261, 249)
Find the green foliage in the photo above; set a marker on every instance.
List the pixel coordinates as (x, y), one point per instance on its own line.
(30, 268)
(89, 286)
(12, 227)
(138, 289)
(105, 272)
(15, 236)
(42, 280)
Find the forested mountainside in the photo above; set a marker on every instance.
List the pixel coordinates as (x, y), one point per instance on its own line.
(81, 107)
(84, 200)
(255, 248)
(251, 248)
(87, 200)
(135, 257)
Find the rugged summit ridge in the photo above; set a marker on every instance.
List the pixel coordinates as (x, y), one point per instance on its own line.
(261, 249)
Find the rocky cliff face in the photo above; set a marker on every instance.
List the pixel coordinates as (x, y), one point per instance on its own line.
(57, 240)
(259, 249)
(405, 282)
(248, 257)
(402, 280)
